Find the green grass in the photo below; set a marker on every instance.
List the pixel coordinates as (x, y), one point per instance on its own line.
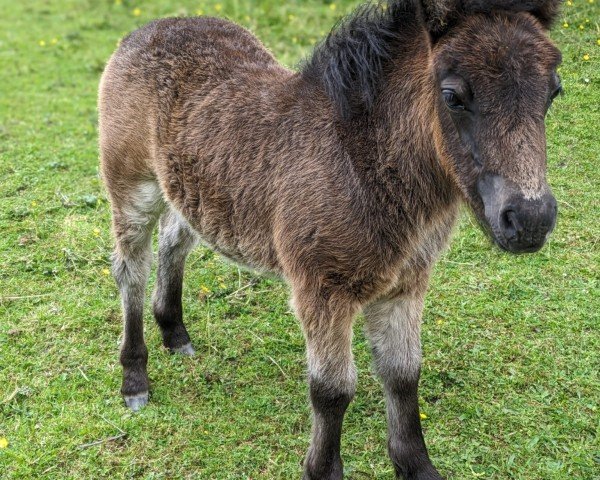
(510, 381)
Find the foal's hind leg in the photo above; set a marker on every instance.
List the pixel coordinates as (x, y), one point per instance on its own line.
(393, 327)
(327, 328)
(134, 218)
(176, 239)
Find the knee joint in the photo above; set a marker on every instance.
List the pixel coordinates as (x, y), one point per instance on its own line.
(331, 395)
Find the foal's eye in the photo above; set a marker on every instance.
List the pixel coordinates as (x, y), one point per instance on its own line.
(556, 93)
(452, 100)
(558, 90)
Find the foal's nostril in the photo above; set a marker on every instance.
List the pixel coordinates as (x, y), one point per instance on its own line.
(510, 224)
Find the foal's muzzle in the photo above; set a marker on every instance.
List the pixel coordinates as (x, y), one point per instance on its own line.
(518, 224)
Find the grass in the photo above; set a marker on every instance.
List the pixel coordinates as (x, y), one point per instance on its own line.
(510, 381)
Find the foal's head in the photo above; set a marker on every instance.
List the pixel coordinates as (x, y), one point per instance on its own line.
(496, 77)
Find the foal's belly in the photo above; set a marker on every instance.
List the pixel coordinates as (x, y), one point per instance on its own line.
(243, 240)
(258, 261)
(228, 207)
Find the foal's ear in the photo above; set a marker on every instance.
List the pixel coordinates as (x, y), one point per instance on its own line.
(441, 15)
(545, 11)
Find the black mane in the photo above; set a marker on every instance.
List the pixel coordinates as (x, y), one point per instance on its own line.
(349, 62)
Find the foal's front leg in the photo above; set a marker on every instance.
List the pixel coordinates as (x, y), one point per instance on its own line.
(331, 378)
(394, 327)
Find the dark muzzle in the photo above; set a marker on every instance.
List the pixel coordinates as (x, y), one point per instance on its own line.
(518, 224)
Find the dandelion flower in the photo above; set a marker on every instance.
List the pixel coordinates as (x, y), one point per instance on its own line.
(332, 6)
(105, 272)
(205, 289)
(96, 232)
(42, 43)
(598, 41)
(218, 7)
(34, 204)
(54, 41)
(137, 12)
(565, 25)
(199, 12)
(581, 27)
(3, 442)
(422, 416)
(569, 3)
(586, 57)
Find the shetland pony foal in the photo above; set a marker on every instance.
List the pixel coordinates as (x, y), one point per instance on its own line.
(343, 178)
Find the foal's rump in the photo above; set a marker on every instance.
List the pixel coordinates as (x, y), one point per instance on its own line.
(179, 100)
(166, 61)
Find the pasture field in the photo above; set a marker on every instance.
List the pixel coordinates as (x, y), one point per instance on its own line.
(510, 386)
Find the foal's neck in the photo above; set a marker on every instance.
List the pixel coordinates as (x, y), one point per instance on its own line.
(396, 148)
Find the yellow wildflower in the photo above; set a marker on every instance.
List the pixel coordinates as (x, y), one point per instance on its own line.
(137, 12)
(42, 43)
(54, 41)
(3, 442)
(423, 416)
(291, 17)
(598, 41)
(96, 232)
(586, 57)
(34, 204)
(581, 27)
(118, 2)
(565, 25)
(332, 6)
(439, 321)
(569, 3)
(105, 272)
(205, 289)
(199, 12)
(218, 7)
